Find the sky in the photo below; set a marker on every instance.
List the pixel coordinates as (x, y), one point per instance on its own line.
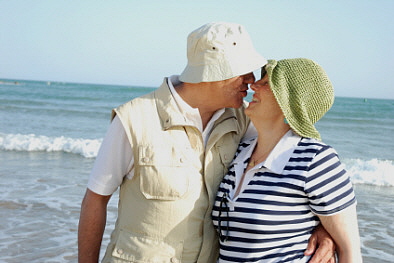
(138, 43)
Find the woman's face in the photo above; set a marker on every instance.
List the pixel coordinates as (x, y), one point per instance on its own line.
(263, 104)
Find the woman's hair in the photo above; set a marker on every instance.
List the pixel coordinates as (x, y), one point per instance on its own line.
(263, 72)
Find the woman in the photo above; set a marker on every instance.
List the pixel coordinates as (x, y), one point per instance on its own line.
(283, 183)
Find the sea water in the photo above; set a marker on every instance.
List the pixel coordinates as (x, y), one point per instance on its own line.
(50, 133)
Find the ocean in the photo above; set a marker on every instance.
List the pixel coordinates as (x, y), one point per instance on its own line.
(50, 133)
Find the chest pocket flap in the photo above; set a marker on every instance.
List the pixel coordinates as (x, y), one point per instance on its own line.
(163, 172)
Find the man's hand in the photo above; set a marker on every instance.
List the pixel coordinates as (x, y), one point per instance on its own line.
(321, 246)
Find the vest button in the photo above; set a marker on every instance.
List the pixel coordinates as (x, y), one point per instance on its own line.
(145, 159)
(120, 251)
(174, 260)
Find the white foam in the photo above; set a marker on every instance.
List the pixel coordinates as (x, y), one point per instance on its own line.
(373, 172)
(31, 142)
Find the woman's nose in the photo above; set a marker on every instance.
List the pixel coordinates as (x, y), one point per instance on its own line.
(254, 86)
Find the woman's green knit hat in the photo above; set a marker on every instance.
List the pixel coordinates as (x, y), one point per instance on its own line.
(303, 92)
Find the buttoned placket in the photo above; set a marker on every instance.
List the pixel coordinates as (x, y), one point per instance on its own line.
(239, 169)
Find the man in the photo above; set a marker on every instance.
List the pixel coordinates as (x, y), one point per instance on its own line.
(168, 152)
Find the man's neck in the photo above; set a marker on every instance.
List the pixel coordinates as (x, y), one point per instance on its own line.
(196, 96)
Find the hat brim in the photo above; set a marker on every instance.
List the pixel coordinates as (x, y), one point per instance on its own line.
(249, 62)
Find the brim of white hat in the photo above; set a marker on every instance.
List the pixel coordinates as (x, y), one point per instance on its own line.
(224, 69)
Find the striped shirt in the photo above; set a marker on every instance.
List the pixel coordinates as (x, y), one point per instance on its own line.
(274, 214)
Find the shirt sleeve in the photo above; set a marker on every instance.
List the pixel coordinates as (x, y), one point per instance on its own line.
(328, 185)
(114, 161)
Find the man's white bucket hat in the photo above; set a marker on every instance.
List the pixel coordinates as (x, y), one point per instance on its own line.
(220, 51)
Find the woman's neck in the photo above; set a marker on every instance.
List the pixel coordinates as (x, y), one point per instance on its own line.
(269, 134)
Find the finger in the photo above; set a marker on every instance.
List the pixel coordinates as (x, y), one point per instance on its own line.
(323, 254)
(332, 259)
(310, 249)
(321, 257)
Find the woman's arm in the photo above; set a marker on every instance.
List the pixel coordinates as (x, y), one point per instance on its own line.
(343, 228)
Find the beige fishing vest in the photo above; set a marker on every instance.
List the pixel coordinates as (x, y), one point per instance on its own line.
(165, 209)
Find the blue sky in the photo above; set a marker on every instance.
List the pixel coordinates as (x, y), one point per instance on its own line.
(138, 43)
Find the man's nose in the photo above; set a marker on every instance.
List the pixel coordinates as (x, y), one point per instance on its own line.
(249, 78)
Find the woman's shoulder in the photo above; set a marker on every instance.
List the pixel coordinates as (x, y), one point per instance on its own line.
(314, 148)
(314, 144)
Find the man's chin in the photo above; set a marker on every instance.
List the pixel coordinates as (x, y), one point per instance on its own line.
(239, 104)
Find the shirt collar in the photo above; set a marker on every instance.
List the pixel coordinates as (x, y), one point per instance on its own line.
(278, 157)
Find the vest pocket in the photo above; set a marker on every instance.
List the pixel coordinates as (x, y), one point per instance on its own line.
(133, 248)
(163, 173)
(163, 183)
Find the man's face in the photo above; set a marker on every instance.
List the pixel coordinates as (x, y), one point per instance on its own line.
(231, 92)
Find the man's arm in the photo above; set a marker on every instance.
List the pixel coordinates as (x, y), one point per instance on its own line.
(321, 246)
(91, 226)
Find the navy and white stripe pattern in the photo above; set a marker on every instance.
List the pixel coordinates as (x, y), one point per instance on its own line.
(273, 218)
